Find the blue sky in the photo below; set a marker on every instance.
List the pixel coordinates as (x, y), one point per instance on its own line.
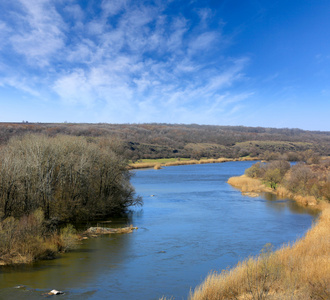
(248, 62)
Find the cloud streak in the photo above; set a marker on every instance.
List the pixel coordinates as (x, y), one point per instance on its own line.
(131, 62)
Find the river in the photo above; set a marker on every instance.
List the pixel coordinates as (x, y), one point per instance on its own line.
(192, 222)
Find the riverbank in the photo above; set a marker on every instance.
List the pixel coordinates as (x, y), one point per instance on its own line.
(253, 187)
(27, 240)
(296, 271)
(158, 164)
(49, 181)
(38, 247)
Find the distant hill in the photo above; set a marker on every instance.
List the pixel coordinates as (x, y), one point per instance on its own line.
(140, 141)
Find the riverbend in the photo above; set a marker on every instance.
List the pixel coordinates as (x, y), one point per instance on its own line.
(192, 222)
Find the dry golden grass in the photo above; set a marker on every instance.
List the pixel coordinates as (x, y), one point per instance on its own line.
(141, 165)
(157, 165)
(182, 163)
(251, 186)
(302, 200)
(298, 271)
(248, 184)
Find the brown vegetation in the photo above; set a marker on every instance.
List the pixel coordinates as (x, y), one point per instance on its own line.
(69, 178)
(153, 141)
(247, 184)
(303, 182)
(47, 181)
(28, 239)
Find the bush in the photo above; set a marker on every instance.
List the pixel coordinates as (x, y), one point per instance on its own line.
(27, 239)
(299, 178)
(272, 172)
(255, 171)
(68, 237)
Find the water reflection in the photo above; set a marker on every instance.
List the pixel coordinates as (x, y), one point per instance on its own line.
(78, 268)
(283, 203)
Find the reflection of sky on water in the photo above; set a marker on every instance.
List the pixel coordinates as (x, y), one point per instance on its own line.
(192, 222)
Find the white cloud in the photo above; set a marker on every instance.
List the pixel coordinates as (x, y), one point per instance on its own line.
(113, 7)
(5, 31)
(83, 52)
(203, 42)
(75, 11)
(21, 84)
(38, 32)
(144, 66)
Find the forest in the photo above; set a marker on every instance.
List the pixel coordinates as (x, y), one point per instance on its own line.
(48, 183)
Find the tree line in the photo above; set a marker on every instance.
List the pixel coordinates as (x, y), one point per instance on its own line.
(310, 178)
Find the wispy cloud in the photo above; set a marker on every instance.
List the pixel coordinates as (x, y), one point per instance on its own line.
(38, 31)
(22, 84)
(135, 60)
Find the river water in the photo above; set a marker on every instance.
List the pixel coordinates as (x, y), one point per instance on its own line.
(192, 222)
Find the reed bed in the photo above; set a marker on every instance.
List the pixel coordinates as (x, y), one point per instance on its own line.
(248, 184)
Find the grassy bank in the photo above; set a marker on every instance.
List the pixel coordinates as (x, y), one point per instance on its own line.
(297, 271)
(159, 163)
(29, 238)
(251, 186)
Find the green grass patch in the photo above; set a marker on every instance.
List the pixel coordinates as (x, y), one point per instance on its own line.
(162, 160)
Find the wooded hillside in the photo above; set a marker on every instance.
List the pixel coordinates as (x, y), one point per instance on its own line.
(139, 141)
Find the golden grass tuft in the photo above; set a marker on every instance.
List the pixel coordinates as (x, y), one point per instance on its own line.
(157, 166)
(247, 184)
(141, 165)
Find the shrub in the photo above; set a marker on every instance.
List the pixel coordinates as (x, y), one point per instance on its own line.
(68, 237)
(27, 239)
(272, 172)
(299, 178)
(272, 177)
(255, 171)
